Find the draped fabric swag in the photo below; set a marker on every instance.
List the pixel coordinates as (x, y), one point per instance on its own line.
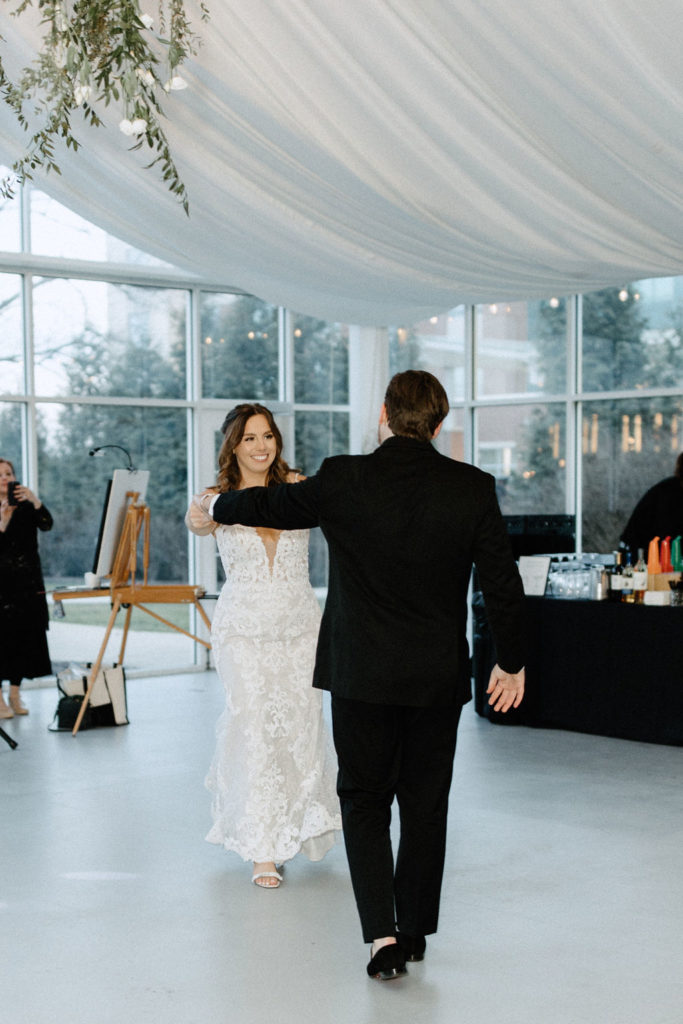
(379, 161)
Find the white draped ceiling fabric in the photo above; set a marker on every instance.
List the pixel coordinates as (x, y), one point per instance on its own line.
(379, 161)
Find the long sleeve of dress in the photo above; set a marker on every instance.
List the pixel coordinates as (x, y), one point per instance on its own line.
(43, 518)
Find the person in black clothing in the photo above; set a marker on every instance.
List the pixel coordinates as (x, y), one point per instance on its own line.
(404, 525)
(24, 616)
(659, 513)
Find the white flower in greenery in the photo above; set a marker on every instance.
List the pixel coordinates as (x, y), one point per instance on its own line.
(136, 127)
(145, 76)
(147, 20)
(175, 83)
(82, 94)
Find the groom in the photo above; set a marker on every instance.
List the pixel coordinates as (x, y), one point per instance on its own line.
(404, 527)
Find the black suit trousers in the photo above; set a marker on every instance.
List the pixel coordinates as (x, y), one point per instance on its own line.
(388, 752)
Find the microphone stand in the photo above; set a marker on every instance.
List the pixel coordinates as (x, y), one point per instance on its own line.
(95, 451)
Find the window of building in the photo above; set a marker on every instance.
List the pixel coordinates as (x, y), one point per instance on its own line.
(560, 398)
(11, 336)
(521, 348)
(523, 446)
(10, 220)
(99, 338)
(627, 446)
(11, 445)
(74, 484)
(321, 361)
(239, 348)
(437, 344)
(59, 232)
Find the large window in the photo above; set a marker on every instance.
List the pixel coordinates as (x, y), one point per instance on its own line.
(523, 446)
(521, 348)
(321, 361)
(11, 339)
(10, 220)
(438, 345)
(574, 404)
(99, 338)
(93, 355)
(626, 447)
(58, 231)
(239, 348)
(11, 446)
(611, 366)
(633, 336)
(73, 483)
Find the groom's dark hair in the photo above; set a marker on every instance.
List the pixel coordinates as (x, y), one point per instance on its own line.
(416, 403)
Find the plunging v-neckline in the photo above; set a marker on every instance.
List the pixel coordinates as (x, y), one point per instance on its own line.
(270, 546)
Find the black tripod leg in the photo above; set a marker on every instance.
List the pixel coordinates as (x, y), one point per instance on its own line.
(8, 739)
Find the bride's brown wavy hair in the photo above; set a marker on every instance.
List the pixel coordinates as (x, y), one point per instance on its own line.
(234, 424)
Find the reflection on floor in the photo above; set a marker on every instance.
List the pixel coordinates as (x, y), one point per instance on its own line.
(146, 650)
(562, 904)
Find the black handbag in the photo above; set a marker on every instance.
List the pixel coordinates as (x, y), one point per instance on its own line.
(108, 709)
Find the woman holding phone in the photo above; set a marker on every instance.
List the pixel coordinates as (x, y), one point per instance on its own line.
(24, 616)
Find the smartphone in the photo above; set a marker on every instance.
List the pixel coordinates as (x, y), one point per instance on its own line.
(11, 497)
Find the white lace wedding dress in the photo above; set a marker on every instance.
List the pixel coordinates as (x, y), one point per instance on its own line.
(274, 769)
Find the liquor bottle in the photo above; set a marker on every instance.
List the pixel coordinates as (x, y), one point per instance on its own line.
(665, 555)
(676, 554)
(616, 579)
(640, 578)
(627, 594)
(653, 564)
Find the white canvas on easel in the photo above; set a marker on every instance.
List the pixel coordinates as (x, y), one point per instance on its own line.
(123, 482)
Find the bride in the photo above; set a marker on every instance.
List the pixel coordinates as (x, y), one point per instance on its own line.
(273, 772)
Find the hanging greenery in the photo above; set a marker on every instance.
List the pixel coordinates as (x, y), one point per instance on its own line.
(97, 52)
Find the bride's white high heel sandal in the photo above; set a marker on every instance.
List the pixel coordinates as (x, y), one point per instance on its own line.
(267, 885)
(258, 875)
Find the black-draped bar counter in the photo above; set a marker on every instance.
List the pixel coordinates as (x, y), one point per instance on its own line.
(594, 667)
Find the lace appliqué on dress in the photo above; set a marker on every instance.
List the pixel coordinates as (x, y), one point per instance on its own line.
(273, 772)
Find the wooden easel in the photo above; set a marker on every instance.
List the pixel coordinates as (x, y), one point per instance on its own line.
(127, 593)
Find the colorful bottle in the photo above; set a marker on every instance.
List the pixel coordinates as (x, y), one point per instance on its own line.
(676, 554)
(615, 582)
(665, 555)
(639, 578)
(627, 594)
(653, 564)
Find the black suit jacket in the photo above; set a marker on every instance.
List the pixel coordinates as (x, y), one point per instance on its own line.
(404, 526)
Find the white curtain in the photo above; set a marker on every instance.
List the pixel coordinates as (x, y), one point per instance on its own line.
(379, 161)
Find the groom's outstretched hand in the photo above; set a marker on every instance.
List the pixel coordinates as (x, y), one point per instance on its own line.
(506, 689)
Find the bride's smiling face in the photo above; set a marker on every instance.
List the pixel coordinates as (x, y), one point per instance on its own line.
(257, 449)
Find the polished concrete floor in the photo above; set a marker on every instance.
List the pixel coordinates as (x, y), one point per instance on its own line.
(562, 902)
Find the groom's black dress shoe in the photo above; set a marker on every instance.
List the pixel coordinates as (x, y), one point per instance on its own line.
(388, 963)
(413, 946)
